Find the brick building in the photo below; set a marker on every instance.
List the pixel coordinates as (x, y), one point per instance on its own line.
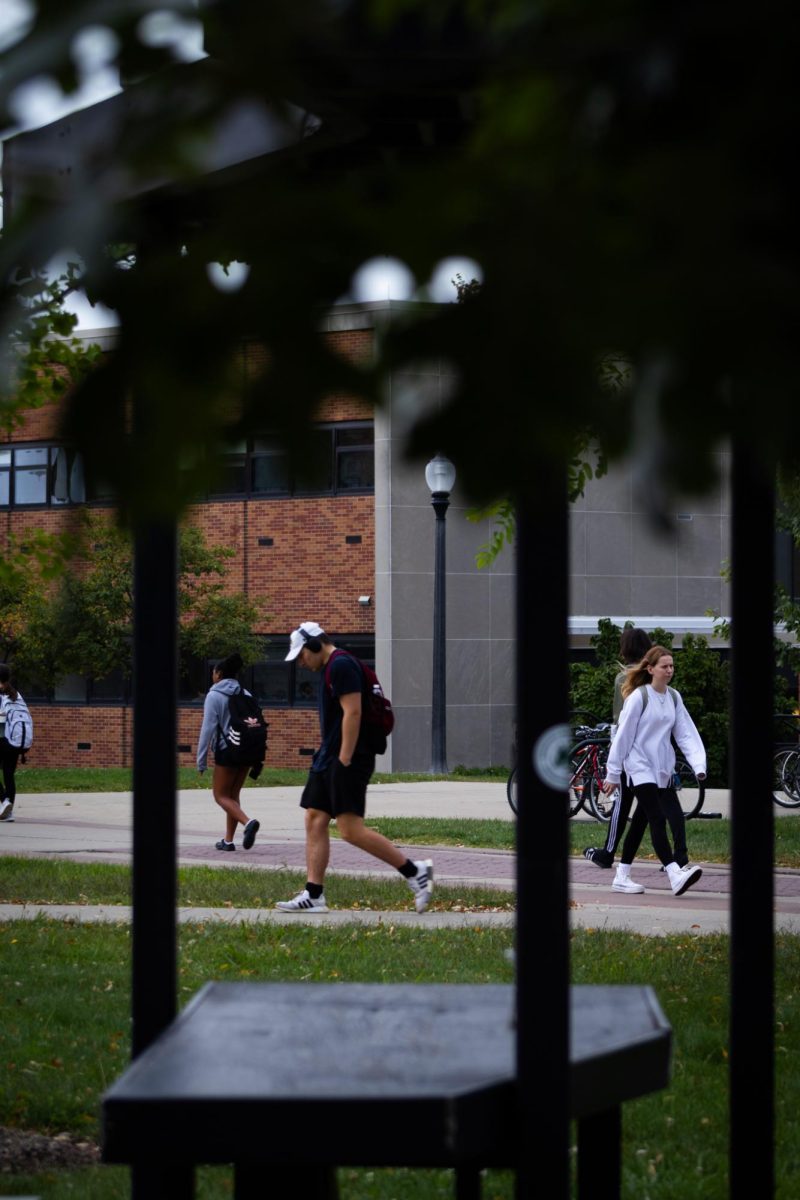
(356, 553)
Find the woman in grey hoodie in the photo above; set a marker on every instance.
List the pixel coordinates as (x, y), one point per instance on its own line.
(228, 777)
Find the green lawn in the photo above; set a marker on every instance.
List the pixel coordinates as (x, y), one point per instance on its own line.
(64, 1037)
(119, 779)
(58, 881)
(709, 841)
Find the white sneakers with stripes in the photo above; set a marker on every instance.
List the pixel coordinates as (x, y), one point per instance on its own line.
(421, 884)
(302, 902)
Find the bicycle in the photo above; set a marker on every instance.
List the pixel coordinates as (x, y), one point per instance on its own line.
(786, 763)
(582, 763)
(690, 790)
(576, 791)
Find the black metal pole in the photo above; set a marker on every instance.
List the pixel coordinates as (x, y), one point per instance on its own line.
(441, 503)
(154, 982)
(154, 781)
(542, 942)
(752, 1077)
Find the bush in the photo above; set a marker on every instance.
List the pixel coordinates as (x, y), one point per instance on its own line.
(701, 676)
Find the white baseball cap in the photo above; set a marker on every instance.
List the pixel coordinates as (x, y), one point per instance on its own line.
(308, 629)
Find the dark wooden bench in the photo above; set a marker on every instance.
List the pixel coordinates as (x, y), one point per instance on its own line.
(302, 1078)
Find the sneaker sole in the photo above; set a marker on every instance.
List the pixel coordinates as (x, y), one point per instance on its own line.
(250, 831)
(636, 890)
(606, 866)
(316, 909)
(690, 882)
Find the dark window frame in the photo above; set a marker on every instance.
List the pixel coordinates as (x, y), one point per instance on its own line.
(246, 461)
(13, 470)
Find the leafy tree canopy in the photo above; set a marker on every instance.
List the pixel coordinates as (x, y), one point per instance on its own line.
(80, 622)
(619, 175)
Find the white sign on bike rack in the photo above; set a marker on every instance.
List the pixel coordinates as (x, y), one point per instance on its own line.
(551, 757)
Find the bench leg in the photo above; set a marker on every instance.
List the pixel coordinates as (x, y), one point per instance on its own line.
(258, 1182)
(468, 1183)
(162, 1183)
(600, 1156)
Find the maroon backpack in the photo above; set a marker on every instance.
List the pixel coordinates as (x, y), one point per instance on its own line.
(377, 717)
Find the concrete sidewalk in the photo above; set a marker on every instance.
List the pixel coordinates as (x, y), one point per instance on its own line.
(96, 827)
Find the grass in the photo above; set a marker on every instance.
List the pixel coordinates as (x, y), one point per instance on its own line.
(709, 841)
(64, 1037)
(58, 881)
(119, 779)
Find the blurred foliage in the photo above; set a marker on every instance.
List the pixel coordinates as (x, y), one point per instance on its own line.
(619, 175)
(66, 603)
(787, 607)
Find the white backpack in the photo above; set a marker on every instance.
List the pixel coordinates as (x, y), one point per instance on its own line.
(19, 726)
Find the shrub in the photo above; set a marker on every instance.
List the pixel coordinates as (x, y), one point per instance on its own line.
(701, 676)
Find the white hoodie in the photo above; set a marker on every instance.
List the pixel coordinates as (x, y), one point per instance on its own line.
(641, 745)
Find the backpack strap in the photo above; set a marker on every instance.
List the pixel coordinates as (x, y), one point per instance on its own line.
(329, 664)
(643, 689)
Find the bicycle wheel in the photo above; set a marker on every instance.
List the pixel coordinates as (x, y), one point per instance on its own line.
(786, 778)
(575, 794)
(580, 769)
(511, 790)
(601, 805)
(690, 790)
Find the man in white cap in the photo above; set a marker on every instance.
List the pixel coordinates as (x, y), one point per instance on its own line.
(340, 771)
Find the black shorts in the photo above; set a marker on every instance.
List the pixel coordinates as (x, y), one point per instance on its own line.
(340, 789)
(223, 758)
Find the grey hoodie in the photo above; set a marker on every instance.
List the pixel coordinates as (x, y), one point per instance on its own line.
(216, 719)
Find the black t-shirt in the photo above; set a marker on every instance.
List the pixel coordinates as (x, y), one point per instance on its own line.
(345, 677)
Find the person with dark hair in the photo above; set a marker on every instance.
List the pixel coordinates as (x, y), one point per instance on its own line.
(340, 771)
(653, 713)
(16, 731)
(229, 776)
(633, 645)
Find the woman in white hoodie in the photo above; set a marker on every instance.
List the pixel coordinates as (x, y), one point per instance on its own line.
(653, 713)
(229, 777)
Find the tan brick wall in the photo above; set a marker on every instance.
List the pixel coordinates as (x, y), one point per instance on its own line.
(310, 572)
(38, 425)
(57, 730)
(109, 732)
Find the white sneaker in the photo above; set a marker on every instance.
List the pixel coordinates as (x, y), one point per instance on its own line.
(624, 883)
(682, 878)
(421, 884)
(6, 811)
(302, 902)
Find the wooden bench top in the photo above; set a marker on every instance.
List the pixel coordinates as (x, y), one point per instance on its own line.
(384, 1074)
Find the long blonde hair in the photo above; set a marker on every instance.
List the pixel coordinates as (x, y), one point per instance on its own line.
(638, 674)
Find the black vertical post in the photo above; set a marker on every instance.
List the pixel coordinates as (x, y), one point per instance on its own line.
(154, 985)
(441, 503)
(154, 781)
(542, 945)
(752, 840)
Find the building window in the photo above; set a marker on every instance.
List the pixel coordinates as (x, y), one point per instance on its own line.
(341, 460)
(41, 475)
(277, 683)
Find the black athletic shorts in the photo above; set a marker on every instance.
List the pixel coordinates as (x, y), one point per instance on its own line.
(223, 758)
(340, 789)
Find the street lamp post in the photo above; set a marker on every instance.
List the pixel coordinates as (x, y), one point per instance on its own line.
(440, 476)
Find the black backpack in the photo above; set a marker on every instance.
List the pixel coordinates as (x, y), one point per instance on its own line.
(247, 734)
(377, 717)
